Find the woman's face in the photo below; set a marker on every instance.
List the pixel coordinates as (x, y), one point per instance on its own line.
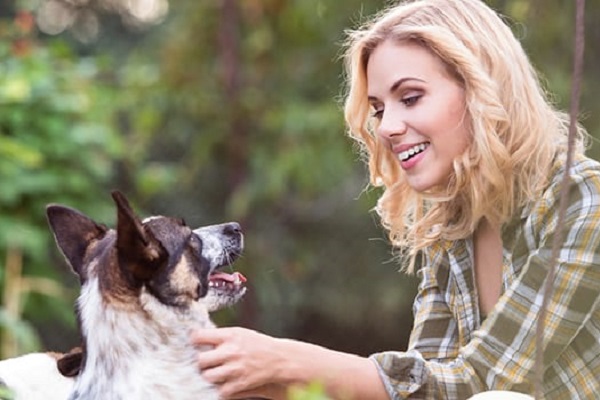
(420, 109)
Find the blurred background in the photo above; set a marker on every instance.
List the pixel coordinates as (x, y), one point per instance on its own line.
(216, 110)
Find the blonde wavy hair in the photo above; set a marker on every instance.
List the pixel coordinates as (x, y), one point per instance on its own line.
(515, 131)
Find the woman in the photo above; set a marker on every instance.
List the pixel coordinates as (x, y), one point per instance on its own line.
(470, 154)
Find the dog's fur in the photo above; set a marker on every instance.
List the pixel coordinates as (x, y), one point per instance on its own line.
(145, 286)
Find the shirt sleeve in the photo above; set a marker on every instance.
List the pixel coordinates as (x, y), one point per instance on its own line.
(501, 354)
(434, 324)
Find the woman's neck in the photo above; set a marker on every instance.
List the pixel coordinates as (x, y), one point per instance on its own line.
(487, 243)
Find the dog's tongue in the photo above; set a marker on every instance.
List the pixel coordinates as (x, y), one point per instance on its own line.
(236, 277)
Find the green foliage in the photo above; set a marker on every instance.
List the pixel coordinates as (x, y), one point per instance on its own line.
(57, 144)
(6, 393)
(221, 114)
(314, 391)
(23, 331)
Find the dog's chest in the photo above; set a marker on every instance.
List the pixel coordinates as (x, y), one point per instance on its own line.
(144, 378)
(137, 355)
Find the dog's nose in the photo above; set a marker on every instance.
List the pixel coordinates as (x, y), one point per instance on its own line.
(232, 228)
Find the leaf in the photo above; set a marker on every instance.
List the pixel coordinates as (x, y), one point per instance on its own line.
(313, 391)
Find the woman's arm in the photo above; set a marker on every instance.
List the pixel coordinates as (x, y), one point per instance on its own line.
(246, 363)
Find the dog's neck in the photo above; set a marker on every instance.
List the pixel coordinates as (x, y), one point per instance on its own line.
(139, 351)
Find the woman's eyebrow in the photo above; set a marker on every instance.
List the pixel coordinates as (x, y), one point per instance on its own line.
(401, 81)
(397, 84)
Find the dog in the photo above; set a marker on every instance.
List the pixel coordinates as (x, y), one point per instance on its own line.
(145, 285)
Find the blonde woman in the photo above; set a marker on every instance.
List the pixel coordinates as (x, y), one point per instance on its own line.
(470, 153)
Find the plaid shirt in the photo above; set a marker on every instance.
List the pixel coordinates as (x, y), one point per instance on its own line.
(453, 355)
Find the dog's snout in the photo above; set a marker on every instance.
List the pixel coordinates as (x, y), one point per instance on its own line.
(232, 228)
(222, 243)
(229, 229)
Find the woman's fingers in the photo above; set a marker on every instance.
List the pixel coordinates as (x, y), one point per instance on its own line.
(215, 348)
(229, 378)
(213, 337)
(218, 375)
(210, 359)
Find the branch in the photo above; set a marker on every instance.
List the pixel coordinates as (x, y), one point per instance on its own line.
(558, 236)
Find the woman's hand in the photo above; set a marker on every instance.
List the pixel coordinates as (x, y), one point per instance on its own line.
(242, 363)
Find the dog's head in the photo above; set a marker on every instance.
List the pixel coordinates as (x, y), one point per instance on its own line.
(160, 256)
(174, 263)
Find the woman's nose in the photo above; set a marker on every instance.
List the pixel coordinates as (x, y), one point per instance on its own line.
(391, 125)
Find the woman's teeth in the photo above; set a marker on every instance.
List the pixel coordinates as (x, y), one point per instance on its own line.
(405, 155)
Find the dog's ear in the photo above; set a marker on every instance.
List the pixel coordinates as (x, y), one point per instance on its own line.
(73, 233)
(137, 247)
(69, 364)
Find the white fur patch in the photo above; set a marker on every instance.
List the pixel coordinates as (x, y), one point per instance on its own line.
(143, 353)
(215, 244)
(35, 377)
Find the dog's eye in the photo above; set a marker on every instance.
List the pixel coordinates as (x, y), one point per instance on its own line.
(195, 242)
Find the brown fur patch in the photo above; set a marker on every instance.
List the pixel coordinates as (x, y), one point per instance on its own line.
(185, 279)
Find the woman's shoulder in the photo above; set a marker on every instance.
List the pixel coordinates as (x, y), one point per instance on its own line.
(584, 181)
(583, 189)
(582, 168)
(584, 178)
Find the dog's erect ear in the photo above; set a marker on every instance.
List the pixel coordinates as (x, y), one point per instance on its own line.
(138, 249)
(73, 233)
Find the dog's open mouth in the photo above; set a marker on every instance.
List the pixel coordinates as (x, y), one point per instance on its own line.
(224, 282)
(224, 290)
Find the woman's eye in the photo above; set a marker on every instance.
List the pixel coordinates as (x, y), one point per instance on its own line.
(410, 100)
(377, 114)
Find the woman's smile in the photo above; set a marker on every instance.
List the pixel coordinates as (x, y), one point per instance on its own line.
(409, 155)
